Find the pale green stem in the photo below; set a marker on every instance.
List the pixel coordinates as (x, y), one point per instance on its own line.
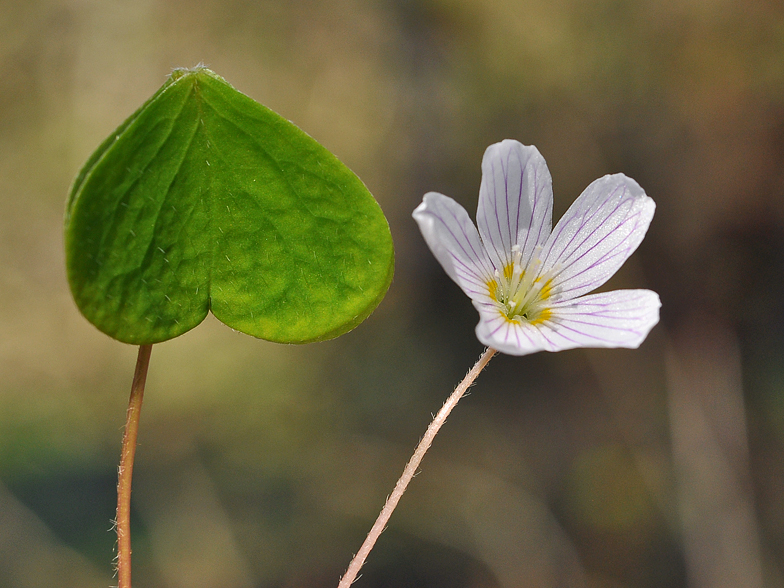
(410, 469)
(125, 472)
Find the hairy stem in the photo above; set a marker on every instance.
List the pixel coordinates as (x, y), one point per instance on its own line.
(125, 472)
(410, 469)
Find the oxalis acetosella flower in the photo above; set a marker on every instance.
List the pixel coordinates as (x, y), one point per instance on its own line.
(529, 283)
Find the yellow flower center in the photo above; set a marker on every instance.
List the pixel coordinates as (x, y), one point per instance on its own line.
(522, 294)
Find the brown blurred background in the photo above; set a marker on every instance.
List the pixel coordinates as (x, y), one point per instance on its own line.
(263, 466)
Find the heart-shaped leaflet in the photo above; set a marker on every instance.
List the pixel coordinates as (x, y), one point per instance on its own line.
(204, 200)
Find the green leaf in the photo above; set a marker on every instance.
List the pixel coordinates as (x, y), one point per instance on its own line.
(204, 200)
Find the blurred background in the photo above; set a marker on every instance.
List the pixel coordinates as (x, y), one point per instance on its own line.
(263, 466)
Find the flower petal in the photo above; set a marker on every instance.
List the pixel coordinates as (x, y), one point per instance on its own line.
(596, 235)
(621, 318)
(454, 241)
(515, 201)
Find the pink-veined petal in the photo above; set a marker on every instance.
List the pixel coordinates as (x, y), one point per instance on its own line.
(510, 337)
(454, 241)
(621, 318)
(515, 201)
(596, 235)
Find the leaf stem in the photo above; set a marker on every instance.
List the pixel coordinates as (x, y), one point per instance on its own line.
(410, 469)
(125, 471)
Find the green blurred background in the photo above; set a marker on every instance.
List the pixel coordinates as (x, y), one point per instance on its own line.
(263, 466)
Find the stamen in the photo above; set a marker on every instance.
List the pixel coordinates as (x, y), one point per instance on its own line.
(522, 293)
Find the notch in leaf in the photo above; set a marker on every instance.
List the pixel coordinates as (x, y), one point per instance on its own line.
(204, 200)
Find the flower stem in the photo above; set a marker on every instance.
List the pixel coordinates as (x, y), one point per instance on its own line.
(410, 469)
(125, 471)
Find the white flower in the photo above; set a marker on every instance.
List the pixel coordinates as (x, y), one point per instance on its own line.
(529, 283)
